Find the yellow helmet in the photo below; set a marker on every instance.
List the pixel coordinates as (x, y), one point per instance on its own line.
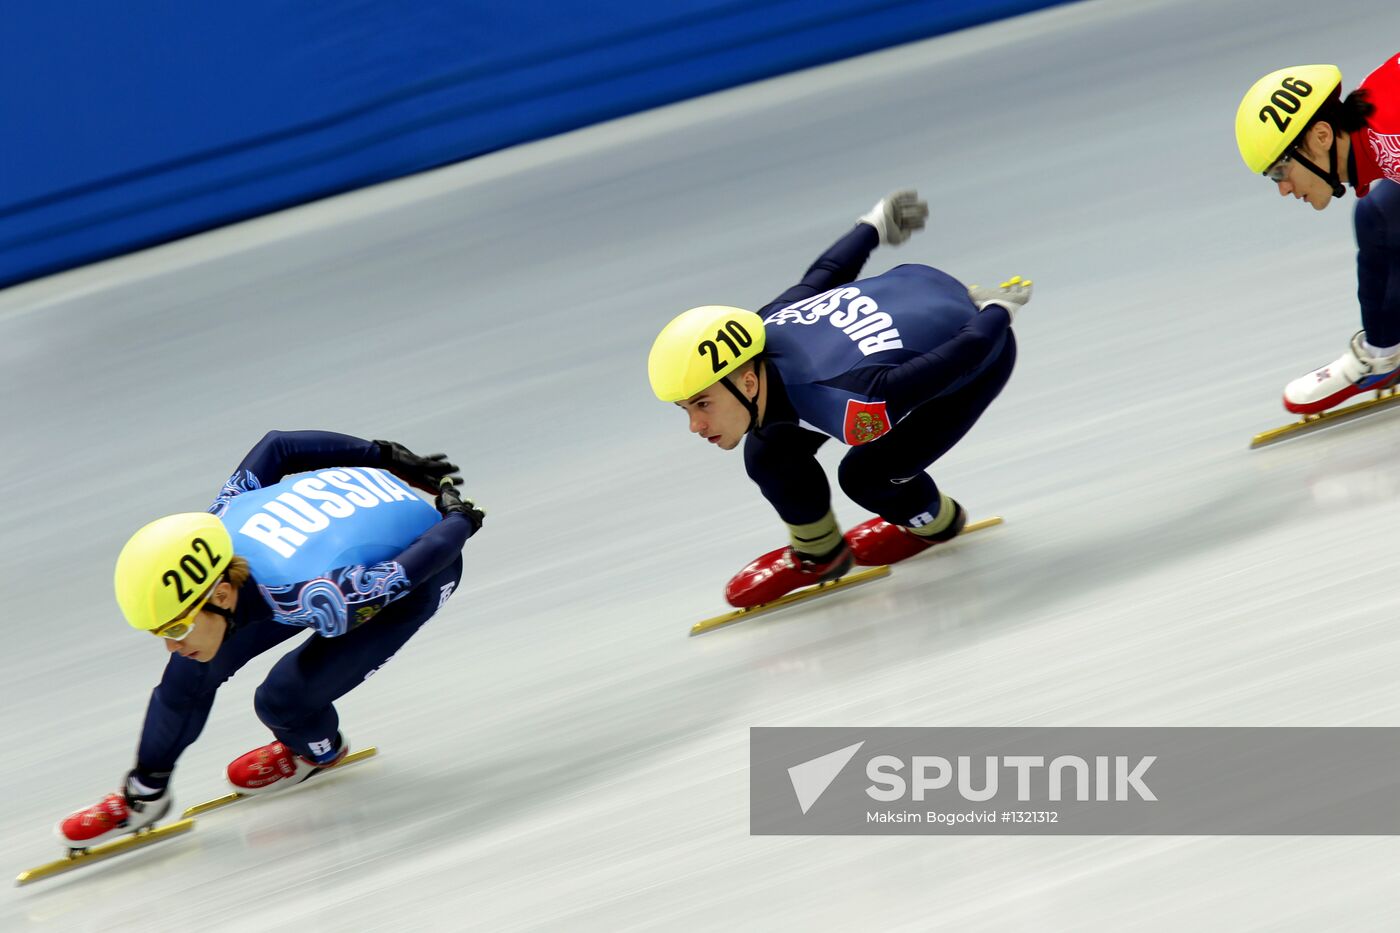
(169, 565)
(1277, 108)
(700, 347)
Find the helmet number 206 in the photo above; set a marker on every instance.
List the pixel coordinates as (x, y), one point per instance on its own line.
(192, 567)
(1286, 99)
(733, 336)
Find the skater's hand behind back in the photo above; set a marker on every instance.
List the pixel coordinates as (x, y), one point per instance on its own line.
(1013, 294)
(450, 501)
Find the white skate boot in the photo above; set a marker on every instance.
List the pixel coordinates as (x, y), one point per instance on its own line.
(1356, 372)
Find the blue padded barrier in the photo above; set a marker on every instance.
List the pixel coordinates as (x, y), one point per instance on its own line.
(125, 125)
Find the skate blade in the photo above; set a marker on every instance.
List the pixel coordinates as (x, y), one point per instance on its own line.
(989, 522)
(137, 840)
(821, 589)
(227, 799)
(1384, 398)
(797, 596)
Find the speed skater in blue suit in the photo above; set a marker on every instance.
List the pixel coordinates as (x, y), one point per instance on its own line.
(314, 531)
(898, 366)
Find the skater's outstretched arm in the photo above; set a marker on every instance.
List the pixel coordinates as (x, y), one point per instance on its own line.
(282, 453)
(890, 222)
(838, 266)
(920, 379)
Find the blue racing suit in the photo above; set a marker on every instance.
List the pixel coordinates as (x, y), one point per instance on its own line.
(899, 366)
(1377, 222)
(346, 550)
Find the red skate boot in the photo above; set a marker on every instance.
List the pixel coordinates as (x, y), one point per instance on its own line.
(114, 815)
(876, 541)
(782, 571)
(276, 767)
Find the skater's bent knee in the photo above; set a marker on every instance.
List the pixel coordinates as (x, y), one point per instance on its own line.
(275, 705)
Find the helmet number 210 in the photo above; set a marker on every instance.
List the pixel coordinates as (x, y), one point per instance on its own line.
(733, 336)
(1286, 99)
(192, 567)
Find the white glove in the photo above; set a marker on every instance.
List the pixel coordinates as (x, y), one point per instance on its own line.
(897, 216)
(1011, 295)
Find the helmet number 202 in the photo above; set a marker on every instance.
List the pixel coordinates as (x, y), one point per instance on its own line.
(192, 567)
(1285, 99)
(733, 336)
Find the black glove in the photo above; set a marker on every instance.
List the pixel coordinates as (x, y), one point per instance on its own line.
(424, 473)
(450, 500)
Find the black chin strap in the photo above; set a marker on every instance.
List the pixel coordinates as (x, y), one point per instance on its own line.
(1334, 181)
(219, 611)
(228, 618)
(749, 403)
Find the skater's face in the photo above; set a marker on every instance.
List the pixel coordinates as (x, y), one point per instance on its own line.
(1296, 180)
(717, 416)
(203, 641)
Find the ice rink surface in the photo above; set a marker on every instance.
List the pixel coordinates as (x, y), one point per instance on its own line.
(556, 753)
